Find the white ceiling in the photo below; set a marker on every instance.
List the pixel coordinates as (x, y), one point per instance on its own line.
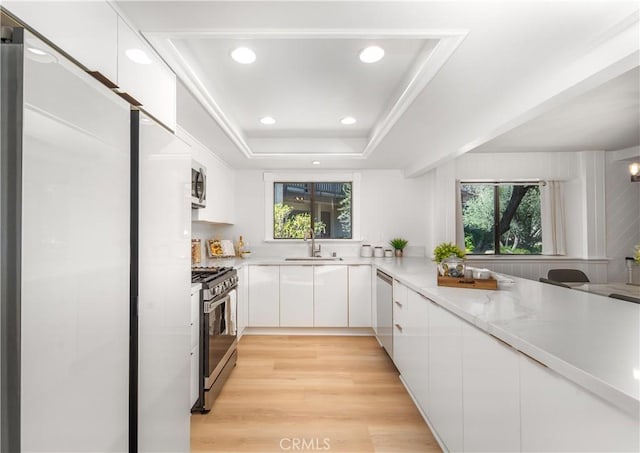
(502, 76)
(605, 118)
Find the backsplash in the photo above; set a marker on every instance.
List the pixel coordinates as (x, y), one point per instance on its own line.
(261, 249)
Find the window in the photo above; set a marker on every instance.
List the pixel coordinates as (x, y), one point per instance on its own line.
(324, 207)
(501, 218)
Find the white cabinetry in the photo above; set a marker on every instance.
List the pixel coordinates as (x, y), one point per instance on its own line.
(360, 296)
(264, 296)
(220, 185)
(330, 296)
(195, 339)
(296, 296)
(557, 415)
(410, 341)
(243, 299)
(87, 31)
(491, 393)
(416, 375)
(145, 77)
(445, 376)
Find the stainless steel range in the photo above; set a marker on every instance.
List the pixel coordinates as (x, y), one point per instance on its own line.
(218, 333)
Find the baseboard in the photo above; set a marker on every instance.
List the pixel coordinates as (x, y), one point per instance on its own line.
(345, 331)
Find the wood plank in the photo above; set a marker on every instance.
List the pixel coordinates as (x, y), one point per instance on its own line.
(333, 393)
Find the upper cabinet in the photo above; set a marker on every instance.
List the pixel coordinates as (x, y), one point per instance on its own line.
(87, 31)
(220, 185)
(94, 35)
(144, 77)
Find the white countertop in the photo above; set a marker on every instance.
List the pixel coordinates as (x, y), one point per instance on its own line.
(590, 339)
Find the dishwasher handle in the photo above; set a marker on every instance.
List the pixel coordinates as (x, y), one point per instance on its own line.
(381, 275)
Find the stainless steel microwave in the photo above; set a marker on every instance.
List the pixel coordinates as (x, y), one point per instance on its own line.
(198, 185)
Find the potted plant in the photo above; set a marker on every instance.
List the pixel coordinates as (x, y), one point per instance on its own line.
(398, 244)
(447, 251)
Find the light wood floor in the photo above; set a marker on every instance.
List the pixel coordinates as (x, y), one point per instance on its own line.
(312, 393)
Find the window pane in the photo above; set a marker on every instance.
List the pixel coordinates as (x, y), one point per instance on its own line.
(520, 224)
(478, 218)
(332, 210)
(291, 210)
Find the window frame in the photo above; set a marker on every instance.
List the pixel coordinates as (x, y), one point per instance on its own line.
(302, 177)
(496, 212)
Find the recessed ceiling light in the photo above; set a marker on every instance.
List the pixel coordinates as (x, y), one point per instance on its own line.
(36, 51)
(268, 120)
(243, 55)
(138, 56)
(316, 162)
(371, 54)
(347, 120)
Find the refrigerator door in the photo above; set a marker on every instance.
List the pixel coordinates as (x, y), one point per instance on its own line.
(165, 288)
(75, 259)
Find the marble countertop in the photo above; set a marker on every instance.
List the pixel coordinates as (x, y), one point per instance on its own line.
(590, 339)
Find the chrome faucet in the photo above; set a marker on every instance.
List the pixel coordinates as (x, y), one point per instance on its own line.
(315, 252)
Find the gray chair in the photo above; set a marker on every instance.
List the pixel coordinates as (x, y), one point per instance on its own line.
(568, 275)
(635, 300)
(553, 282)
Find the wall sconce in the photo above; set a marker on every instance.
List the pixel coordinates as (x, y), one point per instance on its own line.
(634, 169)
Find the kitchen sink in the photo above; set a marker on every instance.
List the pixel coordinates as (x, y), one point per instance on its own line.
(313, 258)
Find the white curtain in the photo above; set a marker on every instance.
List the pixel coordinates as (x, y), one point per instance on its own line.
(459, 224)
(554, 240)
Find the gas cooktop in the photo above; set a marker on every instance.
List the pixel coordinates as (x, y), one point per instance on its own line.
(202, 274)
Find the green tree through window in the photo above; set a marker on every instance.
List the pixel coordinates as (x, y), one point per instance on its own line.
(324, 207)
(501, 218)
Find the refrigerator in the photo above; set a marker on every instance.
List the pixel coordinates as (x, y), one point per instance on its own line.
(95, 263)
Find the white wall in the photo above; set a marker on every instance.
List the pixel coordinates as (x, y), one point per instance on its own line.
(622, 219)
(391, 206)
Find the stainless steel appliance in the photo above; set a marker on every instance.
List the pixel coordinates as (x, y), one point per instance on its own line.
(384, 311)
(198, 185)
(218, 333)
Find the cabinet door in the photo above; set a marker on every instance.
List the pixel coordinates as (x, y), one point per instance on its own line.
(194, 388)
(220, 186)
(558, 415)
(416, 374)
(195, 318)
(87, 31)
(143, 76)
(243, 299)
(296, 296)
(330, 296)
(264, 296)
(401, 347)
(445, 376)
(360, 296)
(491, 393)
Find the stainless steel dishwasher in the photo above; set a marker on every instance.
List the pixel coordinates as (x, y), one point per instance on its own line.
(384, 311)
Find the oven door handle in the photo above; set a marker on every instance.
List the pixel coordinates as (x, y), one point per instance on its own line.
(210, 306)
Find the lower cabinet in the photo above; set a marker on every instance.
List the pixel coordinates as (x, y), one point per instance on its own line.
(264, 296)
(296, 296)
(558, 415)
(411, 342)
(242, 314)
(445, 409)
(330, 305)
(360, 296)
(491, 393)
(194, 356)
